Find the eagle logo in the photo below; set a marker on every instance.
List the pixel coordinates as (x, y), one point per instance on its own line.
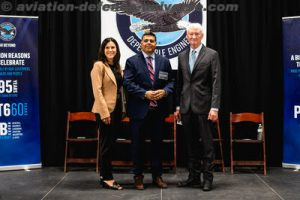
(157, 17)
(7, 31)
(167, 18)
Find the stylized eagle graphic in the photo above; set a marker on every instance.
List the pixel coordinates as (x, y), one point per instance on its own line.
(155, 16)
(7, 32)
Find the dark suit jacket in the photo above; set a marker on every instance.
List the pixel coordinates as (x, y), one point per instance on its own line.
(137, 81)
(201, 89)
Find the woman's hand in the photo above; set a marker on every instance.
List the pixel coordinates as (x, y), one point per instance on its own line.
(106, 120)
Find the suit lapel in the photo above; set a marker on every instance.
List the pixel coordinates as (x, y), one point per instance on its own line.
(200, 56)
(157, 67)
(110, 74)
(143, 65)
(186, 58)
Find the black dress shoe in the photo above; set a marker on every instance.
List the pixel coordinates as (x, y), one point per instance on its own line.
(190, 182)
(207, 185)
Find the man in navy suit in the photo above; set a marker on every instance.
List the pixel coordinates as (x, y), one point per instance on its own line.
(148, 80)
(198, 100)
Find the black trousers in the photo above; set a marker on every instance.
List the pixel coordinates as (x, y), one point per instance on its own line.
(151, 124)
(200, 154)
(107, 139)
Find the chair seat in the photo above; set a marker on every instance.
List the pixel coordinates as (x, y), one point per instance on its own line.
(248, 163)
(127, 141)
(168, 163)
(82, 140)
(217, 139)
(82, 160)
(247, 141)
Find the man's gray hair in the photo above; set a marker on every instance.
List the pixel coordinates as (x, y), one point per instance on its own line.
(194, 26)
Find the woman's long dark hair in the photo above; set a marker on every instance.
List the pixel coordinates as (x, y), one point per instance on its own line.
(102, 57)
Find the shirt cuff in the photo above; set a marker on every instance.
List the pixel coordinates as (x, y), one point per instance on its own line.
(214, 109)
(166, 93)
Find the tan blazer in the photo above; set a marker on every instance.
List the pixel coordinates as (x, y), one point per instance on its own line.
(104, 89)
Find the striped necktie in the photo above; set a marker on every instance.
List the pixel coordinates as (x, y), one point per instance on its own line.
(150, 68)
(151, 74)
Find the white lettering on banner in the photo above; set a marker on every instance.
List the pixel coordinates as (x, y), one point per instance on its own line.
(4, 109)
(8, 45)
(3, 129)
(3, 55)
(15, 55)
(19, 55)
(296, 111)
(134, 43)
(12, 62)
(176, 49)
(295, 57)
(13, 109)
(161, 52)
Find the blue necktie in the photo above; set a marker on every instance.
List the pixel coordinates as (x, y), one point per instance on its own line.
(192, 60)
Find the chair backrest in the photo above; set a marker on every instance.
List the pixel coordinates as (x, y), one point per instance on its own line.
(247, 117)
(81, 116)
(80, 120)
(257, 118)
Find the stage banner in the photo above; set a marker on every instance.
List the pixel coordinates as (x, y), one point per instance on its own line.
(291, 64)
(19, 93)
(126, 20)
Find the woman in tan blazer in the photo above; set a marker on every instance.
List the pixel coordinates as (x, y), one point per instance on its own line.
(107, 81)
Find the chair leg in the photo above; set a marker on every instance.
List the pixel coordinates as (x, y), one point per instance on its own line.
(222, 157)
(231, 157)
(97, 158)
(220, 146)
(231, 145)
(175, 145)
(66, 157)
(98, 151)
(265, 159)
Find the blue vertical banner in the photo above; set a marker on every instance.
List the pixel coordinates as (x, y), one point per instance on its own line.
(291, 64)
(19, 93)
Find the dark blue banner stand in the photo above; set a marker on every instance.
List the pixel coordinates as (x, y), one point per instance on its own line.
(19, 93)
(291, 64)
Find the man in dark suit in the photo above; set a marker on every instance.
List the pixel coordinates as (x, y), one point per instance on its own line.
(198, 100)
(148, 80)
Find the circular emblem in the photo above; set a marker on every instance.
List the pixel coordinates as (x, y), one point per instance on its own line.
(168, 22)
(7, 31)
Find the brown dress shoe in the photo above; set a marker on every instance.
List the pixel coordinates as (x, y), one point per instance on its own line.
(138, 182)
(159, 182)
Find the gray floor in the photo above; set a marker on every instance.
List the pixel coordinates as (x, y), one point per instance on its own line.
(52, 183)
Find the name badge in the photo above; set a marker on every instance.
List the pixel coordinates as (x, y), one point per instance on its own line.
(163, 75)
